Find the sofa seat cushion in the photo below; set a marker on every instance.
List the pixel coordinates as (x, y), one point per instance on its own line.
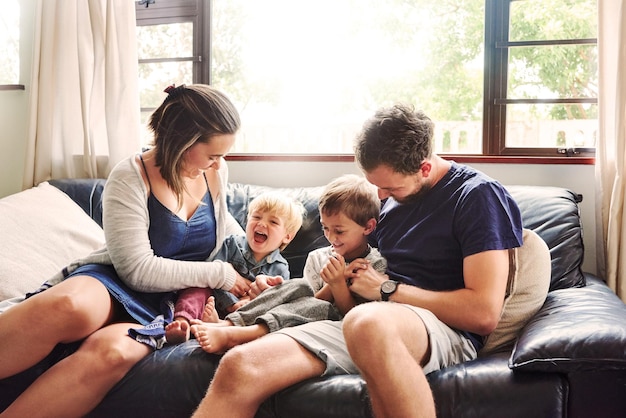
(577, 329)
(487, 387)
(43, 230)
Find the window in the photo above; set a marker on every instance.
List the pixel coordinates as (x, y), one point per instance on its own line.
(307, 75)
(10, 45)
(546, 100)
(171, 49)
(498, 77)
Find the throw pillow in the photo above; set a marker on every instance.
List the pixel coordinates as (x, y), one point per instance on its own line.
(527, 288)
(43, 230)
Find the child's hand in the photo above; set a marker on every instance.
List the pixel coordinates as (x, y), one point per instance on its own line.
(333, 272)
(263, 282)
(243, 301)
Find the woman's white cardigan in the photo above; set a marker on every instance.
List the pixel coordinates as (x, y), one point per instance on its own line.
(126, 222)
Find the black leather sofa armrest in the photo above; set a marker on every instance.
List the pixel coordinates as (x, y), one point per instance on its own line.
(577, 329)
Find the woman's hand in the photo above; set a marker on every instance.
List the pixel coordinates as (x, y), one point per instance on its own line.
(241, 287)
(263, 282)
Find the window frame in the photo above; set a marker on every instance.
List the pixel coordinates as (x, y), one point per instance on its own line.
(180, 11)
(18, 85)
(496, 46)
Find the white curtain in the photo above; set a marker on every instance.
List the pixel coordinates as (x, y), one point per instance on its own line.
(84, 100)
(611, 147)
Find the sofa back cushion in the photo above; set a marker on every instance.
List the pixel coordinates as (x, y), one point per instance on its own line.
(87, 193)
(553, 213)
(310, 235)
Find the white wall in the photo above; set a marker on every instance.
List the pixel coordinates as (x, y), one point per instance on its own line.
(13, 106)
(578, 178)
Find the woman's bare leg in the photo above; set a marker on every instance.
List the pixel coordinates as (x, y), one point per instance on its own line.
(67, 312)
(219, 339)
(76, 384)
(250, 373)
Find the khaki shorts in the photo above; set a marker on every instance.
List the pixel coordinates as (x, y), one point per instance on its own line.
(325, 340)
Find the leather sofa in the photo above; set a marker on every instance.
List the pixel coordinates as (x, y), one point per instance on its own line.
(568, 361)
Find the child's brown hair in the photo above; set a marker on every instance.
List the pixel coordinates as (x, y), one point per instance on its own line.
(353, 196)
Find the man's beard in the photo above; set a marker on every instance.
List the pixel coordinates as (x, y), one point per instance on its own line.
(415, 197)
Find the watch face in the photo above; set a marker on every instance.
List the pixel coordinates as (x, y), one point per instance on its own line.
(388, 286)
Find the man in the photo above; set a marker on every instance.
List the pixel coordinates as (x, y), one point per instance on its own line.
(445, 230)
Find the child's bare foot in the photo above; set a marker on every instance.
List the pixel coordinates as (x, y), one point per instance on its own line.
(218, 340)
(177, 331)
(209, 314)
(212, 339)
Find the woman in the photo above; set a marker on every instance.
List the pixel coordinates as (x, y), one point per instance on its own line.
(164, 214)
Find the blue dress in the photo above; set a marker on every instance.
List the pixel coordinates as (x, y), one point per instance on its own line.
(170, 237)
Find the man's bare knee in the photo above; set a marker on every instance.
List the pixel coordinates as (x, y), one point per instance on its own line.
(363, 328)
(362, 319)
(239, 362)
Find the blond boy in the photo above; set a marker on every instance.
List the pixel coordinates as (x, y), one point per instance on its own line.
(272, 223)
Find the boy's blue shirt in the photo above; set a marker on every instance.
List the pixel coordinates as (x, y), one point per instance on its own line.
(236, 251)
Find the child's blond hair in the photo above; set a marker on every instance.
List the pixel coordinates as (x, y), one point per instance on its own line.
(353, 196)
(289, 210)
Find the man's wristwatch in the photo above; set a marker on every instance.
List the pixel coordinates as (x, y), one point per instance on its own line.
(388, 288)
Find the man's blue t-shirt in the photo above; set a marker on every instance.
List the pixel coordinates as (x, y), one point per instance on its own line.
(465, 213)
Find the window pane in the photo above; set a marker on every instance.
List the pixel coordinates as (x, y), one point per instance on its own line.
(561, 71)
(155, 77)
(549, 126)
(555, 19)
(458, 137)
(165, 41)
(305, 76)
(162, 42)
(10, 42)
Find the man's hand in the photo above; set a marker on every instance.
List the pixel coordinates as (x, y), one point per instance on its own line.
(366, 281)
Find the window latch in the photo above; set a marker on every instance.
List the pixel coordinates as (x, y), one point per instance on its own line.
(146, 2)
(569, 152)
